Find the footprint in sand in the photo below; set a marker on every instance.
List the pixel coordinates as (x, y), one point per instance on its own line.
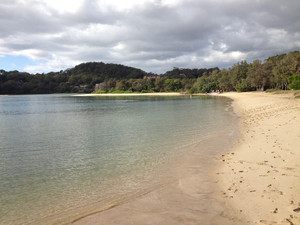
(291, 223)
(288, 168)
(268, 222)
(296, 210)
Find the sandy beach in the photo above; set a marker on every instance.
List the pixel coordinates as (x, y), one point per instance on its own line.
(254, 182)
(132, 94)
(260, 175)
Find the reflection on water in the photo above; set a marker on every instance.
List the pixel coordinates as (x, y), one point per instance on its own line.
(59, 152)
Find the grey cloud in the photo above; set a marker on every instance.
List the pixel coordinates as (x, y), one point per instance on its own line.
(19, 19)
(153, 36)
(92, 13)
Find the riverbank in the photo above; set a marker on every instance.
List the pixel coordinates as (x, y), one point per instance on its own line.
(259, 178)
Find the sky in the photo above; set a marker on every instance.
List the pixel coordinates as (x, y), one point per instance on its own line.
(154, 35)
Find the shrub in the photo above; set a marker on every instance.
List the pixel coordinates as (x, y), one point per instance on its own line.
(294, 82)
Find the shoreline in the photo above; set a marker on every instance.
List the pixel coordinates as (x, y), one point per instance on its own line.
(254, 182)
(131, 94)
(188, 197)
(259, 178)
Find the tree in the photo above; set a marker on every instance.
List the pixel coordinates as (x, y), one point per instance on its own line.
(150, 83)
(258, 75)
(122, 85)
(188, 83)
(139, 85)
(160, 85)
(205, 84)
(285, 66)
(173, 85)
(11, 87)
(224, 81)
(237, 73)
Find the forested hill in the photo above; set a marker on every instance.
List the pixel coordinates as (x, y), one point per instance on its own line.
(188, 73)
(102, 71)
(277, 72)
(81, 78)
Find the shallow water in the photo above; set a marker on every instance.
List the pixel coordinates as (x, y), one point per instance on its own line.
(63, 156)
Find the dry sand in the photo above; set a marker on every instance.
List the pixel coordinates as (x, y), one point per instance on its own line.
(260, 178)
(132, 94)
(256, 182)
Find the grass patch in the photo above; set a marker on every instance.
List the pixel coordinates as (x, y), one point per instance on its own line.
(296, 93)
(99, 92)
(271, 90)
(278, 91)
(121, 92)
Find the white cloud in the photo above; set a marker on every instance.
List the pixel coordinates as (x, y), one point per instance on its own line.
(119, 47)
(122, 5)
(171, 3)
(56, 63)
(71, 6)
(225, 57)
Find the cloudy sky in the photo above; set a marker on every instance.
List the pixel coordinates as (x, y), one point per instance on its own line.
(154, 35)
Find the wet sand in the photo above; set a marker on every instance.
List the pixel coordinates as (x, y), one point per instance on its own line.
(188, 199)
(256, 182)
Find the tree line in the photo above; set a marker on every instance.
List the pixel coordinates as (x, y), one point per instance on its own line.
(81, 78)
(276, 72)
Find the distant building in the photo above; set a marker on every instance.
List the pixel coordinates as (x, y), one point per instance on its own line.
(81, 88)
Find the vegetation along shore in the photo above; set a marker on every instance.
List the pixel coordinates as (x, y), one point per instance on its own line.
(276, 72)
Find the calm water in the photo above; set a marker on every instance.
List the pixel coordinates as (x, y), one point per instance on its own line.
(63, 156)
